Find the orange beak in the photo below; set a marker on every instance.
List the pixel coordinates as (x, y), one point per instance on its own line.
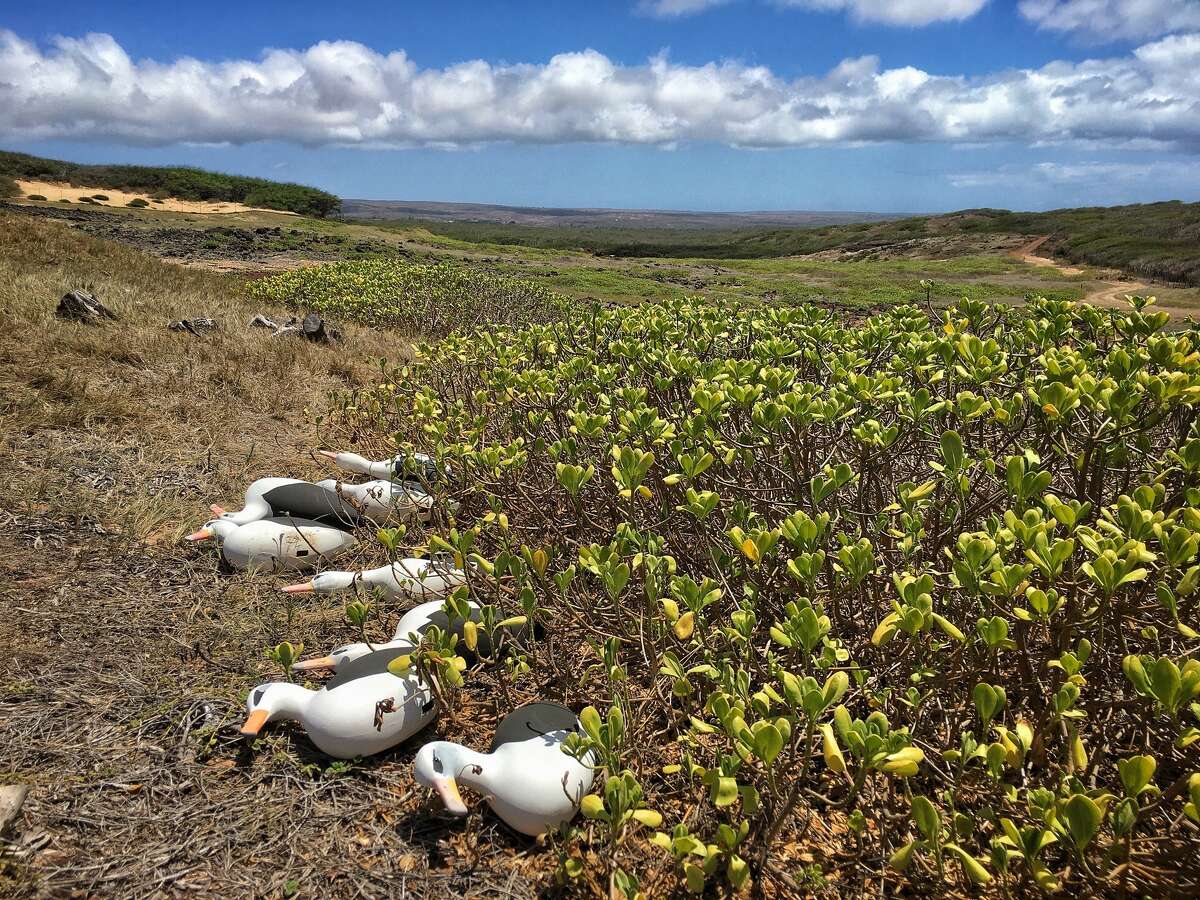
(254, 722)
(306, 587)
(328, 454)
(315, 665)
(447, 789)
(202, 535)
(217, 509)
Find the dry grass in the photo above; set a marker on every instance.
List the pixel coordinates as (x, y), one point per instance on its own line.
(129, 655)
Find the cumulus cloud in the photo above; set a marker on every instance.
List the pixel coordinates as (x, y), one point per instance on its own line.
(1110, 20)
(674, 9)
(343, 93)
(896, 12)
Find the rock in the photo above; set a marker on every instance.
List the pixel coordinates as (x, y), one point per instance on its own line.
(318, 329)
(12, 798)
(195, 326)
(82, 306)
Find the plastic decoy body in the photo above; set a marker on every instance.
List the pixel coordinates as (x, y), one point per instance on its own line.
(529, 782)
(413, 622)
(418, 468)
(405, 579)
(382, 501)
(362, 710)
(296, 545)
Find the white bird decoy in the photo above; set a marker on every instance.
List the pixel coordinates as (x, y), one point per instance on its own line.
(362, 710)
(281, 497)
(417, 467)
(412, 623)
(405, 579)
(296, 545)
(528, 780)
(382, 501)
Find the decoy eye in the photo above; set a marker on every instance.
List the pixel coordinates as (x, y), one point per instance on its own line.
(437, 764)
(258, 695)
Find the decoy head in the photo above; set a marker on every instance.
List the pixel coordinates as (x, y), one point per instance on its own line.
(335, 658)
(325, 583)
(217, 528)
(436, 766)
(275, 699)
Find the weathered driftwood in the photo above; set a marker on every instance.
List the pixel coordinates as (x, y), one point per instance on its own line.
(312, 327)
(82, 306)
(194, 326)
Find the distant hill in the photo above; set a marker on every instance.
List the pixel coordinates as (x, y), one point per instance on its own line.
(483, 213)
(174, 181)
(1154, 240)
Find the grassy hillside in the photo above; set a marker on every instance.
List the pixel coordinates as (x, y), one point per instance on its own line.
(1156, 240)
(174, 181)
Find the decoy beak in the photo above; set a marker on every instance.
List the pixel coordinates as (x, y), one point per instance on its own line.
(202, 535)
(447, 789)
(328, 454)
(306, 587)
(217, 509)
(254, 723)
(315, 665)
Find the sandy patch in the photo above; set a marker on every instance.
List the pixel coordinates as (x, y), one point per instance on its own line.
(55, 192)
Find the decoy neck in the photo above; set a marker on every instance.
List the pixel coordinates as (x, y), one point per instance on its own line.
(332, 582)
(344, 654)
(443, 766)
(252, 512)
(272, 702)
(217, 528)
(360, 465)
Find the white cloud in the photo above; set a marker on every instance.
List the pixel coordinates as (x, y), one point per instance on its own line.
(674, 9)
(1103, 21)
(896, 12)
(1107, 175)
(347, 94)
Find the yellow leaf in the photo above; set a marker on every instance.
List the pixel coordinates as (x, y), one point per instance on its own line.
(684, 625)
(750, 548)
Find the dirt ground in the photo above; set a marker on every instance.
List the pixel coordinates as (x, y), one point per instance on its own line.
(129, 654)
(56, 192)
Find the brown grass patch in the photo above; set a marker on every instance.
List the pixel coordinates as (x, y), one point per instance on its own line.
(128, 655)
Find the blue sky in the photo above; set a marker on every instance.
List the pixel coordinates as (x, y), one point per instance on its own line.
(687, 104)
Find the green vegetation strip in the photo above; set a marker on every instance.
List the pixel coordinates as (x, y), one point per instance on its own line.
(421, 300)
(919, 596)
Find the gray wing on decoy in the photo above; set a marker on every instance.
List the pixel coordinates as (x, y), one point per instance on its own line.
(532, 720)
(311, 501)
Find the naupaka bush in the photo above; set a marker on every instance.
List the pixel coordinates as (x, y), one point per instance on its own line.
(928, 586)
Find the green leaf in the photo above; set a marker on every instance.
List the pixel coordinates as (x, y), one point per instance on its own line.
(972, 867)
(927, 818)
(768, 742)
(1136, 773)
(1083, 817)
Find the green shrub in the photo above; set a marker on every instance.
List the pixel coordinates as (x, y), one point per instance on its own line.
(35, 197)
(99, 196)
(932, 580)
(8, 187)
(63, 200)
(86, 200)
(137, 203)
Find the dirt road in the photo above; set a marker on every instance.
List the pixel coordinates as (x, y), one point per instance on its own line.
(1109, 292)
